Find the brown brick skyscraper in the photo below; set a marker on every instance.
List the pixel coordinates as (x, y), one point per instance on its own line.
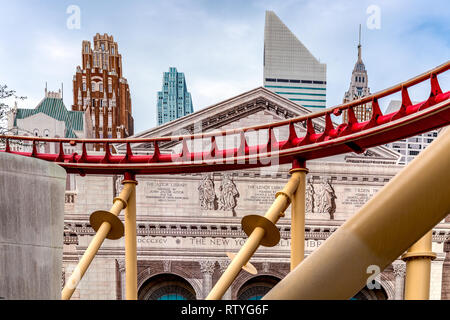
(100, 89)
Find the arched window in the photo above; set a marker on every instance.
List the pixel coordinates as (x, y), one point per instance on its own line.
(46, 133)
(257, 287)
(166, 287)
(36, 132)
(371, 294)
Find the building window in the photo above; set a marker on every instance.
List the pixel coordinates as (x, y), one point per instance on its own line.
(166, 287)
(46, 133)
(103, 46)
(93, 86)
(100, 87)
(112, 50)
(36, 132)
(84, 86)
(257, 287)
(86, 48)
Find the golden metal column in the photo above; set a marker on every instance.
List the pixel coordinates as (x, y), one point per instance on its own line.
(399, 214)
(418, 268)
(260, 231)
(298, 215)
(107, 225)
(130, 240)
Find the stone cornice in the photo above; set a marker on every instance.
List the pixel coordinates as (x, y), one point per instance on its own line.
(312, 232)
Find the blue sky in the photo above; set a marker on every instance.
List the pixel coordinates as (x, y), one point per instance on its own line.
(217, 44)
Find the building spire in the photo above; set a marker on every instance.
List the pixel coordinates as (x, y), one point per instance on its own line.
(359, 44)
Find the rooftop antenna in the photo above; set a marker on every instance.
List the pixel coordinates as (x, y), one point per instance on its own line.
(62, 91)
(359, 43)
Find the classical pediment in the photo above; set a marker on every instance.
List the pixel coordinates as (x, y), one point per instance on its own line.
(231, 112)
(254, 107)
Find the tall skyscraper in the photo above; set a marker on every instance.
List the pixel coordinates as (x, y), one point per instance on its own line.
(174, 101)
(100, 87)
(290, 70)
(359, 87)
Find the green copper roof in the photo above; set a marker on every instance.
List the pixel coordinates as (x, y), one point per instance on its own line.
(55, 108)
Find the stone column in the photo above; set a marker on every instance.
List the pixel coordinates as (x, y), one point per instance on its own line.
(399, 273)
(445, 290)
(122, 278)
(223, 265)
(207, 269)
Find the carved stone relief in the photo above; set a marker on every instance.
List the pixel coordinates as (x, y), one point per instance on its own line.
(207, 266)
(309, 204)
(167, 265)
(206, 193)
(327, 199)
(226, 196)
(117, 185)
(228, 193)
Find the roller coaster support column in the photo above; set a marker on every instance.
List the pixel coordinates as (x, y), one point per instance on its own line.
(298, 215)
(130, 239)
(418, 268)
(260, 231)
(406, 208)
(107, 225)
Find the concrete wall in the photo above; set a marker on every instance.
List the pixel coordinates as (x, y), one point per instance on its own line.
(31, 227)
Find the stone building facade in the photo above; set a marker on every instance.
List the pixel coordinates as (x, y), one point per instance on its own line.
(99, 86)
(187, 223)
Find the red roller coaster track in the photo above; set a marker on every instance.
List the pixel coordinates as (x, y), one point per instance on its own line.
(352, 136)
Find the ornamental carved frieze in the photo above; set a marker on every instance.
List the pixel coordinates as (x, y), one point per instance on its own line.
(399, 269)
(207, 266)
(223, 265)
